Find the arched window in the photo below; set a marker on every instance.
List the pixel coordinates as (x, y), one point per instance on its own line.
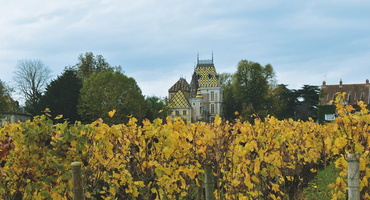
(212, 108)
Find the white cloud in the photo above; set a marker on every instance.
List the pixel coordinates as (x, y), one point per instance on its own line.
(156, 42)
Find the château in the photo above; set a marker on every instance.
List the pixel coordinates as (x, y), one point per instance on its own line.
(201, 100)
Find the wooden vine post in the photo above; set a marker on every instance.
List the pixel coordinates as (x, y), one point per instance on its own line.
(353, 177)
(78, 191)
(209, 181)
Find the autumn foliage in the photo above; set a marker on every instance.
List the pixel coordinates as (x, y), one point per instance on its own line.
(268, 159)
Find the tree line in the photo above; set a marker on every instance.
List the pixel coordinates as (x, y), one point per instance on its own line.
(92, 87)
(85, 92)
(252, 91)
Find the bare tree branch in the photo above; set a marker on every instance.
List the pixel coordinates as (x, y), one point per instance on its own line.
(32, 77)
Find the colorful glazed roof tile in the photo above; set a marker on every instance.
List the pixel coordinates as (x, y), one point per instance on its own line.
(181, 84)
(179, 100)
(206, 74)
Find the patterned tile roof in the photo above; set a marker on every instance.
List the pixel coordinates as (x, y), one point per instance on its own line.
(207, 76)
(181, 84)
(179, 100)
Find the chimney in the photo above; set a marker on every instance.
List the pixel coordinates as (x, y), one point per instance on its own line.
(340, 83)
(367, 82)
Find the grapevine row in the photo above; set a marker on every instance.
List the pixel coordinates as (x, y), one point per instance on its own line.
(268, 159)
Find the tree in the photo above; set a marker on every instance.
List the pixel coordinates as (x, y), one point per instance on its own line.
(89, 63)
(31, 77)
(7, 104)
(106, 91)
(251, 88)
(284, 101)
(229, 104)
(62, 95)
(308, 98)
(155, 108)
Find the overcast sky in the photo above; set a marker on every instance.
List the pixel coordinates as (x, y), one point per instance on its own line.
(156, 42)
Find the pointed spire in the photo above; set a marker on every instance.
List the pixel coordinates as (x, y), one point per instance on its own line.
(194, 85)
(197, 57)
(212, 56)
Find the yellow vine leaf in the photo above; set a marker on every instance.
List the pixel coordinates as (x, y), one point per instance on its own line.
(139, 183)
(111, 113)
(218, 120)
(362, 164)
(255, 179)
(275, 187)
(290, 178)
(59, 117)
(235, 182)
(313, 170)
(247, 181)
(202, 149)
(257, 167)
(340, 183)
(167, 152)
(340, 142)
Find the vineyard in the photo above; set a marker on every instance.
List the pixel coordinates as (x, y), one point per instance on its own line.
(267, 159)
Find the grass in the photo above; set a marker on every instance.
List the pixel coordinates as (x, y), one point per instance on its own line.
(318, 187)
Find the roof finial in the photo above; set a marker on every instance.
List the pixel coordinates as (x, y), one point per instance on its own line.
(212, 56)
(197, 57)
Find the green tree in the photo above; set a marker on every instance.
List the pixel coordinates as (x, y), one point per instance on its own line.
(88, 63)
(106, 91)
(308, 98)
(62, 95)
(7, 104)
(285, 102)
(229, 104)
(31, 77)
(252, 87)
(156, 108)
